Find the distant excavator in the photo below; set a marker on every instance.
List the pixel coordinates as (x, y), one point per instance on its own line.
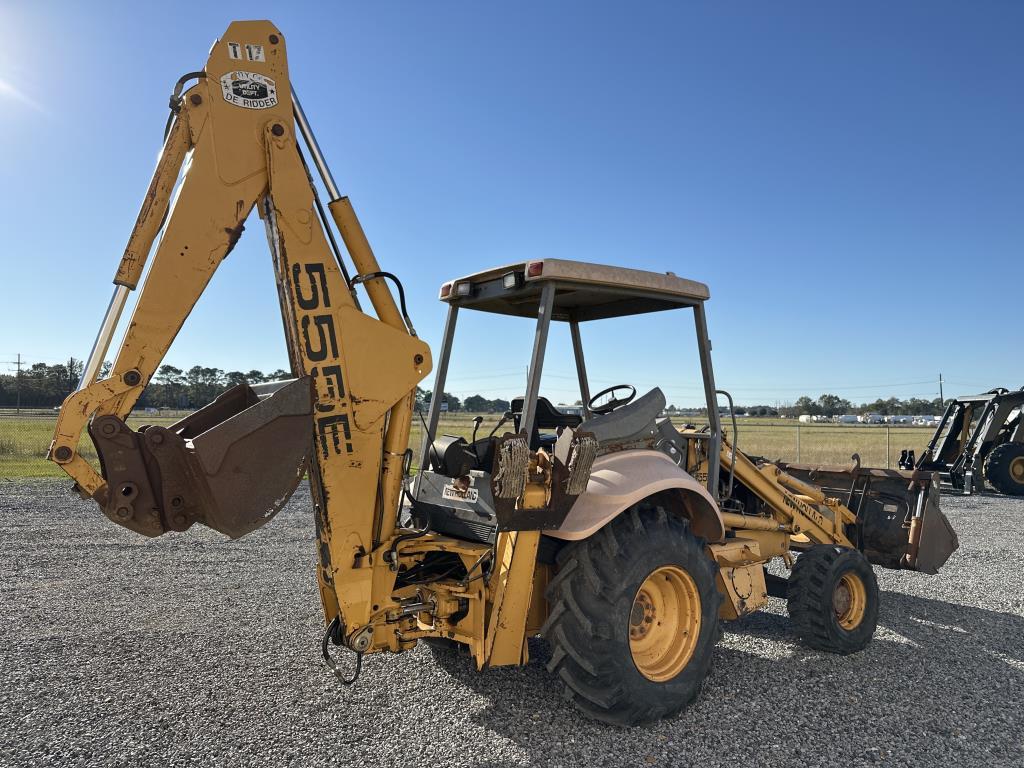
(619, 538)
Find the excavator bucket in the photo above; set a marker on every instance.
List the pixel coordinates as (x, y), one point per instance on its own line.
(900, 524)
(231, 465)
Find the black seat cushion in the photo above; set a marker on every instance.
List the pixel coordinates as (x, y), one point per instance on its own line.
(548, 417)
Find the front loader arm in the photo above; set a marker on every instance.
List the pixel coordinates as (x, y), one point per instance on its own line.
(235, 135)
(897, 523)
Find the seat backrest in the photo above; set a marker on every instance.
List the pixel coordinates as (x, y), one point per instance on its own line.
(630, 422)
(548, 417)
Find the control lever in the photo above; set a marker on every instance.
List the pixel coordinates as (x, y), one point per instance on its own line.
(477, 421)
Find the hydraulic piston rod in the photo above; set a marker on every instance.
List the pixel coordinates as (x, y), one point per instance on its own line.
(106, 333)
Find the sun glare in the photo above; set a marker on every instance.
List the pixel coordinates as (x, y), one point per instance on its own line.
(10, 92)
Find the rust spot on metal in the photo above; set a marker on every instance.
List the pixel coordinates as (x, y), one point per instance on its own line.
(233, 234)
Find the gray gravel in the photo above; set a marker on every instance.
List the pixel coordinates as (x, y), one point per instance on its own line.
(192, 650)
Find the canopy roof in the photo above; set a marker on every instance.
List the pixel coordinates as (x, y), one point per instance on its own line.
(583, 291)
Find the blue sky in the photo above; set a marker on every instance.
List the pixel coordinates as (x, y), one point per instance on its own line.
(847, 178)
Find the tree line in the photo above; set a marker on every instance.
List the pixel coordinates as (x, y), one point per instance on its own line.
(833, 405)
(472, 404)
(45, 386)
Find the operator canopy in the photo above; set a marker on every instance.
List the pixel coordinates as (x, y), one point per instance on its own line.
(585, 291)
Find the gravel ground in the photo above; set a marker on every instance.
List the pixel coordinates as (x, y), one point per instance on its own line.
(192, 650)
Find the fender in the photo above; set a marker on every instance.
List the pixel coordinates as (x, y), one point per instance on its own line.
(621, 479)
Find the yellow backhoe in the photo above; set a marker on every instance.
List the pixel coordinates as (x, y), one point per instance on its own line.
(615, 535)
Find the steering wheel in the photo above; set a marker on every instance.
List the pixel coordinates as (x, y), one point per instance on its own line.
(615, 402)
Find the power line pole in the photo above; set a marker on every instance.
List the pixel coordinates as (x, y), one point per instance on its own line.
(942, 400)
(17, 380)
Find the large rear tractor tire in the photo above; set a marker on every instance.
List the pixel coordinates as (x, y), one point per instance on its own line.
(1004, 468)
(633, 618)
(833, 599)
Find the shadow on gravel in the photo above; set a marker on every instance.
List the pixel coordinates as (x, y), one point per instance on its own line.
(939, 678)
(924, 622)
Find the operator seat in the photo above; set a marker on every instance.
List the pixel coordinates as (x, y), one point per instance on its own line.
(636, 421)
(548, 417)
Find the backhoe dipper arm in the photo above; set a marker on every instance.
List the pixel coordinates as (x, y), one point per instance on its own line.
(235, 135)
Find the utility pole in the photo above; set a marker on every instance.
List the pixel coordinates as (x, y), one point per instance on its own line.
(71, 375)
(17, 380)
(942, 400)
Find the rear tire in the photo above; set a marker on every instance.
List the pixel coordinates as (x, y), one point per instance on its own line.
(633, 618)
(1004, 468)
(833, 599)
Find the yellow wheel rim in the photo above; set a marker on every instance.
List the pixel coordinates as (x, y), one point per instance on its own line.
(850, 601)
(664, 623)
(1017, 469)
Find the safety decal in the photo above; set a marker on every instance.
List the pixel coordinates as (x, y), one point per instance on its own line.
(249, 89)
(234, 50)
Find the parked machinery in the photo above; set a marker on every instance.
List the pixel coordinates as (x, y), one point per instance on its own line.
(980, 438)
(616, 536)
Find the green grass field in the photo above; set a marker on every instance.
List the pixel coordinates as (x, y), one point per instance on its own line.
(24, 440)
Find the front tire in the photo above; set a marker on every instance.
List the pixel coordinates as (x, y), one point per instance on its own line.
(833, 599)
(1004, 468)
(633, 618)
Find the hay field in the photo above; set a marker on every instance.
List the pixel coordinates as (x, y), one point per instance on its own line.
(24, 440)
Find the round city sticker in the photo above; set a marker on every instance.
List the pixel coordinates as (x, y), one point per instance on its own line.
(249, 89)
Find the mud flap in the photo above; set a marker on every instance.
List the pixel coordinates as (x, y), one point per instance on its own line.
(232, 465)
(899, 523)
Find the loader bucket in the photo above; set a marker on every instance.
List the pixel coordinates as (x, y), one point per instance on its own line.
(231, 465)
(899, 523)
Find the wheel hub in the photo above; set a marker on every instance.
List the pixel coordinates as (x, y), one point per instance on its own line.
(664, 623)
(1017, 469)
(642, 616)
(849, 601)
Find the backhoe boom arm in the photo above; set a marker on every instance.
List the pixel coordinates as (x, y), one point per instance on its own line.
(347, 416)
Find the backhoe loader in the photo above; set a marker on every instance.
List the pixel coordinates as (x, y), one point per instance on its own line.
(618, 537)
